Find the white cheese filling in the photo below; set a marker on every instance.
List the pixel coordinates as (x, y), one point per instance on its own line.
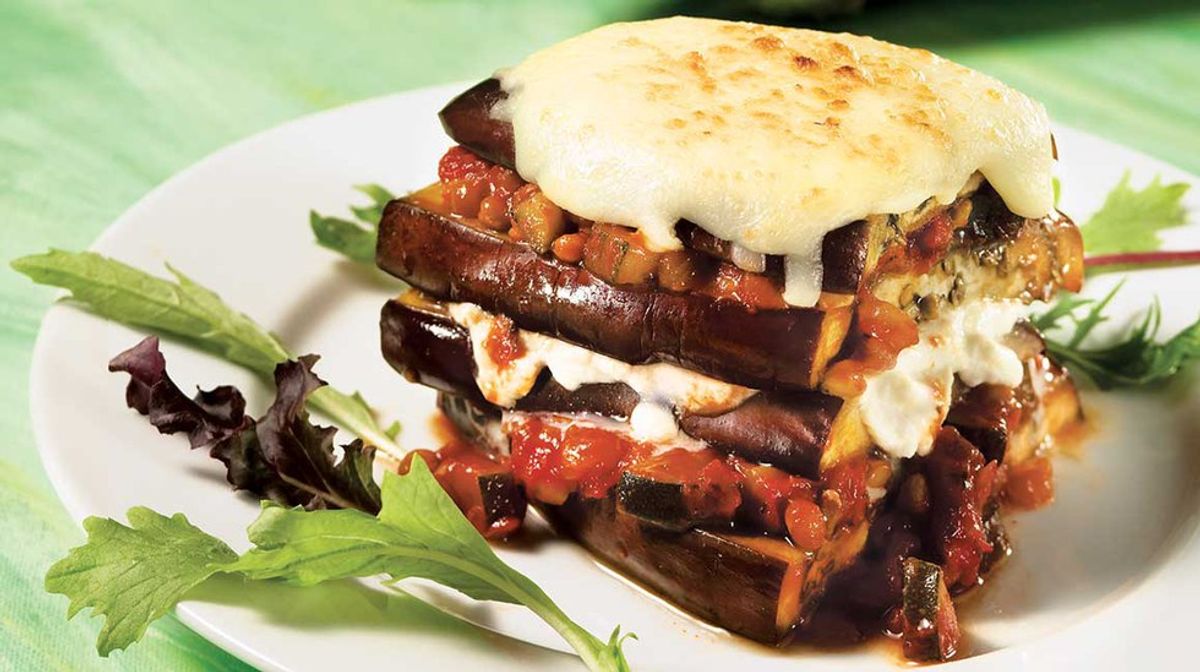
(903, 407)
(764, 136)
(663, 388)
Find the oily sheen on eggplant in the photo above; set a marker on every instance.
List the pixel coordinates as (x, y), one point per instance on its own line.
(760, 587)
(454, 261)
(797, 431)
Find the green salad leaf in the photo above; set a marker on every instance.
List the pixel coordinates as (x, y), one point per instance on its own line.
(354, 239)
(189, 312)
(182, 309)
(133, 574)
(1137, 359)
(1131, 219)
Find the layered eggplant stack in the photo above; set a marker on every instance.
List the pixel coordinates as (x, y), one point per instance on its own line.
(768, 466)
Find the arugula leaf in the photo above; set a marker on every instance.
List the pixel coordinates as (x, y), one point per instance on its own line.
(341, 235)
(1137, 360)
(354, 239)
(1130, 219)
(182, 309)
(132, 575)
(194, 314)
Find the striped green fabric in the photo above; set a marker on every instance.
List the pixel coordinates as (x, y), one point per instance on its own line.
(99, 102)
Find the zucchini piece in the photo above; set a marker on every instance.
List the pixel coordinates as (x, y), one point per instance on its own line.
(930, 624)
(501, 496)
(614, 255)
(679, 489)
(656, 502)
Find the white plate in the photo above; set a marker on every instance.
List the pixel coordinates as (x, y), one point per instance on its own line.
(1103, 577)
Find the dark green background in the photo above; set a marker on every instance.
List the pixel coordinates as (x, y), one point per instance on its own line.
(101, 101)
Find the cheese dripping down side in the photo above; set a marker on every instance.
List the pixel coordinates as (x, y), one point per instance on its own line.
(764, 136)
(662, 388)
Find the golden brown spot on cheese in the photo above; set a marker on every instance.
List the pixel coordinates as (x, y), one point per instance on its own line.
(767, 43)
(841, 50)
(804, 62)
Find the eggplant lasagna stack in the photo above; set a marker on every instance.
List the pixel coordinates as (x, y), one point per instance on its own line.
(742, 310)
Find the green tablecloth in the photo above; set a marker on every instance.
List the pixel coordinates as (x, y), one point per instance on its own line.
(101, 101)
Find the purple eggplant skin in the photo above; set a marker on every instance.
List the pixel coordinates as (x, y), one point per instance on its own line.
(735, 583)
(429, 348)
(764, 349)
(468, 120)
(790, 430)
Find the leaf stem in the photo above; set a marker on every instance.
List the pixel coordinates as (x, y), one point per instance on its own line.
(1161, 258)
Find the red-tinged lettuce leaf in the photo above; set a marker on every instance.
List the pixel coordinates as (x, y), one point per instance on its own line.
(303, 453)
(282, 457)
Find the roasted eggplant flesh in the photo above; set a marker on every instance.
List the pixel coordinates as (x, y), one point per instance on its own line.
(468, 120)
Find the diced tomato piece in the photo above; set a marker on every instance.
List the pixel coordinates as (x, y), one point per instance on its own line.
(503, 342)
(430, 457)
(592, 458)
(1030, 484)
(459, 162)
(535, 460)
(848, 479)
(752, 290)
(805, 524)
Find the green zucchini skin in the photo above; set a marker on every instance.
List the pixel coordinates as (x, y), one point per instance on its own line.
(930, 624)
(654, 502)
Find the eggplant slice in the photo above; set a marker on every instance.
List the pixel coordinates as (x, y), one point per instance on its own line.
(799, 432)
(454, 261)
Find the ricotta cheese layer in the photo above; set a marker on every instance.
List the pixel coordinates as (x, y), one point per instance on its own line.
(662, 388)
(765, 136)
(903, 407)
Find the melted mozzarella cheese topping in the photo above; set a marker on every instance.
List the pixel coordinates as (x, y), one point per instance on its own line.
(764, 136)
(903, 407)
(662, 387)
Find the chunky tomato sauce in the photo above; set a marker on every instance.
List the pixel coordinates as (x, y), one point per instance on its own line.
(480, 485)
(499, 200)
(960, 486)
(880, 332)
(1030, 484)
(503, 342)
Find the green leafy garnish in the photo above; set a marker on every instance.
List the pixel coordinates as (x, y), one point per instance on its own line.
(1131, 219)
(1136, 360)
(355, 239)
(133, 574)
(194, 314)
